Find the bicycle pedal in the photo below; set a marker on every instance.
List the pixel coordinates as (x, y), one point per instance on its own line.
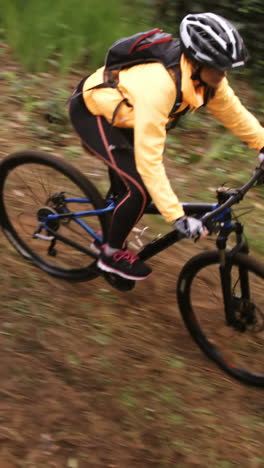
(118, 282)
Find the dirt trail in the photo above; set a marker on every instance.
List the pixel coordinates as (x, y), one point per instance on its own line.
(92, 377)
(95, 378)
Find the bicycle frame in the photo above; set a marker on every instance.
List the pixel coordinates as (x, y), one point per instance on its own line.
(156, 246)
(153, 247)
(217, 212)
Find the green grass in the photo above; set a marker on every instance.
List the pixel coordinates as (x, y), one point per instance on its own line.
(63, 32)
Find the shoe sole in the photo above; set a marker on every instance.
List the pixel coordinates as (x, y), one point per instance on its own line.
(109, 269)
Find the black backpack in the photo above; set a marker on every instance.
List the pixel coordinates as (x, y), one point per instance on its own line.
(144, 47)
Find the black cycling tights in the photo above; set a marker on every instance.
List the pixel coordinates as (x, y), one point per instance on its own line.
(115, 147)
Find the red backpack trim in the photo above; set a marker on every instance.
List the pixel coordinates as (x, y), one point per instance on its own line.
(150, 33)
(168, 39)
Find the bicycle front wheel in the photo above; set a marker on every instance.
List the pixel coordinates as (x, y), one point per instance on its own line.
(34, 185)
(237, 347)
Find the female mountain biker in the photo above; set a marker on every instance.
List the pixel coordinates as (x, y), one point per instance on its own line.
(126, 127)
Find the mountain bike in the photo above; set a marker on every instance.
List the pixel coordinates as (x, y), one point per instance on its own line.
(51, 213)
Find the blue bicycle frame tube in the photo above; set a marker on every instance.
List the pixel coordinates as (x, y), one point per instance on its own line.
(195, 209)
(81, 223)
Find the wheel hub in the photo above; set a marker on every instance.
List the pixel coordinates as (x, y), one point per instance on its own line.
(57, 202)
(43, 214)
(248, 316)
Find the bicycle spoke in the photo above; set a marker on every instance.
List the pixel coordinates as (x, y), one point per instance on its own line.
(26, 191)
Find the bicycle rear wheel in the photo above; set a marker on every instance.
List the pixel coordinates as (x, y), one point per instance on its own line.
(33, 185)
(237, 347)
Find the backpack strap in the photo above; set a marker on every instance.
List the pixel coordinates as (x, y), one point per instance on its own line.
(112, 82)
(178, 101)
(124, 101)
(209, 94)
(176, 118)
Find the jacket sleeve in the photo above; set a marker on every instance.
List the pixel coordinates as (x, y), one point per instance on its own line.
(153, 94)
(227, 108)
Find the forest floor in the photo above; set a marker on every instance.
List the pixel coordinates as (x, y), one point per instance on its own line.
(93, 377)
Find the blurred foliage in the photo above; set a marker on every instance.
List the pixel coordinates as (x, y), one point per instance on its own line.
(64, 33)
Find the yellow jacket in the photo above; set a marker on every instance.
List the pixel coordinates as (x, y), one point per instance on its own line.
(150, 89)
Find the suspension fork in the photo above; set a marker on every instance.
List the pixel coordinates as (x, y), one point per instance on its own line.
(225, 276)
(226, 267)
(243, 273)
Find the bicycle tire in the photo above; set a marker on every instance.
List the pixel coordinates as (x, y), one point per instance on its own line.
(196, 313)
(17, 167)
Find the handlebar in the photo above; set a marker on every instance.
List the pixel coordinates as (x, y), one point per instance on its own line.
(237, 195)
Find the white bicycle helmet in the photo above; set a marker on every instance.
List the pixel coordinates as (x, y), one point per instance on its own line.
(212, 40)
